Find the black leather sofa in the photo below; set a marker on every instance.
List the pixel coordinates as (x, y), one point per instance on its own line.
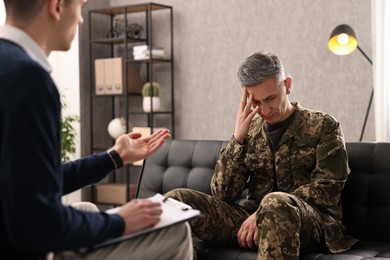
(366, 197)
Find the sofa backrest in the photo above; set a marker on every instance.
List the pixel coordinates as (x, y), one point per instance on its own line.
(179, 164)
(366, 196)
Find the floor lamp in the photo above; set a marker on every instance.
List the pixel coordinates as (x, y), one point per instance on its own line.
(343, 41)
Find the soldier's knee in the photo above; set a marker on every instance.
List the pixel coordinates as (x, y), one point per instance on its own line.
(175, 193)
(275, 201)
(180, 194)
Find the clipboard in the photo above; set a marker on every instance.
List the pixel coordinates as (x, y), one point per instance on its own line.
(173, 212)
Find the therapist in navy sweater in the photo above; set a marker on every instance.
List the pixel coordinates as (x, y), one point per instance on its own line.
(33, 221)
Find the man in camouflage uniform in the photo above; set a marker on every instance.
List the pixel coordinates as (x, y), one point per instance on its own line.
(278, 183)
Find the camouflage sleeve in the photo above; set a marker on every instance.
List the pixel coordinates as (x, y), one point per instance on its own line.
(331, 171)
(230, 174)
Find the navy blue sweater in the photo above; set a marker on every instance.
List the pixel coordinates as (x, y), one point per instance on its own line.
(33, 220)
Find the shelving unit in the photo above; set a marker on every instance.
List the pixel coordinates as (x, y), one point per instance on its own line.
(156, 21)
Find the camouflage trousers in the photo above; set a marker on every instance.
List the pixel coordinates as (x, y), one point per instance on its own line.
(287, 226)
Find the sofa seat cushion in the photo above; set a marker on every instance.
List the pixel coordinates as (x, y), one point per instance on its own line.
(365, 251)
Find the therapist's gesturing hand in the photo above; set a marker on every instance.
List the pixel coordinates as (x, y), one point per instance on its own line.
(131, 147)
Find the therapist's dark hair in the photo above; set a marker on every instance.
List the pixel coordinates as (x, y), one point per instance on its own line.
(23, 10)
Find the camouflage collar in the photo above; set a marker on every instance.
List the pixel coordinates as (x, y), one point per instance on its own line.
(296, 129)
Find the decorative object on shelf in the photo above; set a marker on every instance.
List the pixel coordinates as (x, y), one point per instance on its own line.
(343, 41)
(119, 29)
(116, 30)
(143, 52)
(151, 94)
(112, 33)
(117, 127)
(134, 31)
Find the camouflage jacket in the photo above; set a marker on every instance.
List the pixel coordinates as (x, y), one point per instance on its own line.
(310, 162)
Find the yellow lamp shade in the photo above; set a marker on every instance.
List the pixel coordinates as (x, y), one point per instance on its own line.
(342, 41)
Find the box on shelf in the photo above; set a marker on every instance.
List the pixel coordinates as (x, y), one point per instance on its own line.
(100, 84)
(114, 193)
(142, 52)
(109, 77)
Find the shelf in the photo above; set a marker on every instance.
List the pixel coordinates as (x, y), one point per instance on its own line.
(150, 60)
(116, 95)
(106, 49)
(119, 40)
(131, 9)
(146, 113)
(114, 193)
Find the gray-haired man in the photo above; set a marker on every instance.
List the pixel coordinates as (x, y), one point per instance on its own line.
(291, 165)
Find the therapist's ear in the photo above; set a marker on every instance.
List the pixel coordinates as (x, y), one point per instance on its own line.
(55, 8)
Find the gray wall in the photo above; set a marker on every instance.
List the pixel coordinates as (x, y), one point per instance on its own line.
(212, 37)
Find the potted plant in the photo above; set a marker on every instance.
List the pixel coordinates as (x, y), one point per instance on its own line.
(151, 97)
(68, 134)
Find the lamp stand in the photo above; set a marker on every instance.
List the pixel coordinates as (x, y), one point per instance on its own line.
(370, 101)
